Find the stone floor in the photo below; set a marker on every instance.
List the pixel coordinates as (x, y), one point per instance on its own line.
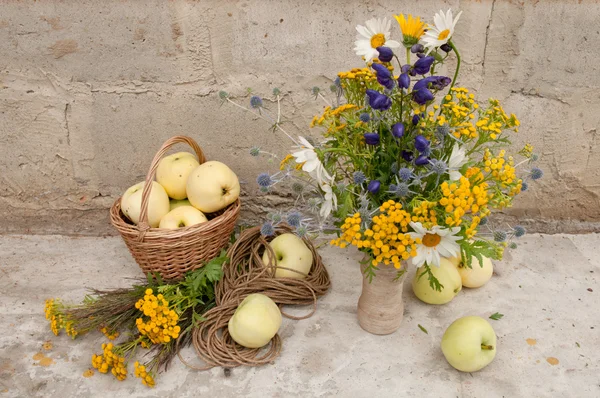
(548, 339)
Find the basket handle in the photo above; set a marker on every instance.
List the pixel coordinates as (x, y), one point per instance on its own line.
(143, 223)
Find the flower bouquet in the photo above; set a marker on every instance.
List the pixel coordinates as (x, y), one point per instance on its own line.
(411, 165)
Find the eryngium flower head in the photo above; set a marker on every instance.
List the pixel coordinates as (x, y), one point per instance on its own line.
(499, 236)
(294, 218)
(267, 229)
(536, 173)
(365, 117)
(256, 102)
(264, 180)
(255, 151)
(359, 177)
(519, 231)
(405, 174)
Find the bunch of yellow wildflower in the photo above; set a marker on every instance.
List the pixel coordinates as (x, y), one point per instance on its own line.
(461, 198)
(365, 74)
(141, 372)
(502, 171)
(425, 214)
(110, 360)
(54, 315)
(387, 239)
(159, 323)
(109, 335)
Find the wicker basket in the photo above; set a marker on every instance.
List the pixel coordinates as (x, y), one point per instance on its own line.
(173, 252)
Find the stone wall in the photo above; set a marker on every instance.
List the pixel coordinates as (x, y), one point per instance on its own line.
(89, 90)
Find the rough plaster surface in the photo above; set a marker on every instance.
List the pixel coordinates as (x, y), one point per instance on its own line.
(547, 290)
(89, 92)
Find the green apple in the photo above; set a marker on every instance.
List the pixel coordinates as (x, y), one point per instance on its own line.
(174, 203)
(478, 275)
(290, 252)
(158, 203)
(183, 216)
(255, 321)
(173, 172)
(447, 275)
(469, 344)
(212, 186)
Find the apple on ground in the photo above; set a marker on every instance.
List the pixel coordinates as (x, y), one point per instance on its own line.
(290, 252)
(476, 276)
(446, 274)
(173, 172)
(158, 203)
(255, 321)
(469, 344)
(174, 203)
(182, 216)
(212, 186)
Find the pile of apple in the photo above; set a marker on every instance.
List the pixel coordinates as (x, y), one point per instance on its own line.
(184, 191)
(257, 318)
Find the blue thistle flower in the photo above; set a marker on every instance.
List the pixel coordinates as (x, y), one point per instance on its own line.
(313, 204)
(499, 236)
(338, 82)
(512, 245)
(333, 88)
(402, 189)
(365, 117)
(534, 157)
(276, 218)
(315, 91)
(301, 231)
(276, 91)
(442, 131)
(439, 167)
(255, 151)
(223, 95)
(405, 174)
(256, 102)
(264, 189)
(267, 229)
(483, 221)
(524, 186)
(294, 218)
(264, 180)
(359, 177)
(519, 231)
(297, 188)
(536, 173)
(394, 167)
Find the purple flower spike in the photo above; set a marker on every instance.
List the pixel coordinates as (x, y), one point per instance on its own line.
(372, 138)
(398, 130)
(374, 186)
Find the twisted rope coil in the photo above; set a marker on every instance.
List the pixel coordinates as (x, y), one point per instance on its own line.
(244, 274)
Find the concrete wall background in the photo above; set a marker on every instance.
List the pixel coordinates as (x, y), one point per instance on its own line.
(89, 90)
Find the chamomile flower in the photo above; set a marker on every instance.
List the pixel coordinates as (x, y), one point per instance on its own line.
(442, 30)
(412, 29)
(375, 34)
(329, 201)
(435, 243)
(458, 158)
(310, 162)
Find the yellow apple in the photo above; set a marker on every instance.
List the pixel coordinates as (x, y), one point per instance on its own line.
(446, 274)
(173, 172)
(469, 344)
(212, 186)
(183, 216)
(174, 203)
(478, 275)
(255, 321)
(290, 252)
(158, 203)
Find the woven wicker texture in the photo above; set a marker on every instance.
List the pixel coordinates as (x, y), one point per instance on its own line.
(173, 252)
(244, 274)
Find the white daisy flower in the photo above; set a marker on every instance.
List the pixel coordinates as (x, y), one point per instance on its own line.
(458, 158)
(375, 34)
(436, 242)
(310, 162)
(329, 201)
(441, 31)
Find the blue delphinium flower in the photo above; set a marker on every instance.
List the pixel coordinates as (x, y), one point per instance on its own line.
(385, 54)
(374, 186)
(536, 173)
(405, 68)
(405, 174)
(398, 130)
(422, 96)
(499, 236)
(519, 231)
(267, 229)
(378, 101)
(294, 218)
(365, 117)
(359, 177)
(415, 119)
(446, 47)
(384, 76)
(404, 80)
(417, 48)
(423, 65)
(408, 156)
(432, 82)
(264, 180)
(422, 160)
(372, 138)
(421, 143)
(256, 102)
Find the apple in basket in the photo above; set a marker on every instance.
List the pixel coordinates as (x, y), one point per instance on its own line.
(173, 172)
(182, 216)
(212, 186)
(158, 203)
(174, 203)
(290, 252)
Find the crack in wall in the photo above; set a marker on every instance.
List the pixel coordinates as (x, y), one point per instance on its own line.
(485, 46)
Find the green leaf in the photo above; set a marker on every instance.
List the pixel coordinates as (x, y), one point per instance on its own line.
(478, 249)
(578, 346)
(496, 316)
(423, 329)
(433, 281)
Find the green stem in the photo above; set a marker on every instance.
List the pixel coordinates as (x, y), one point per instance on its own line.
(457, 63)
(487, 347)
(408, 56)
